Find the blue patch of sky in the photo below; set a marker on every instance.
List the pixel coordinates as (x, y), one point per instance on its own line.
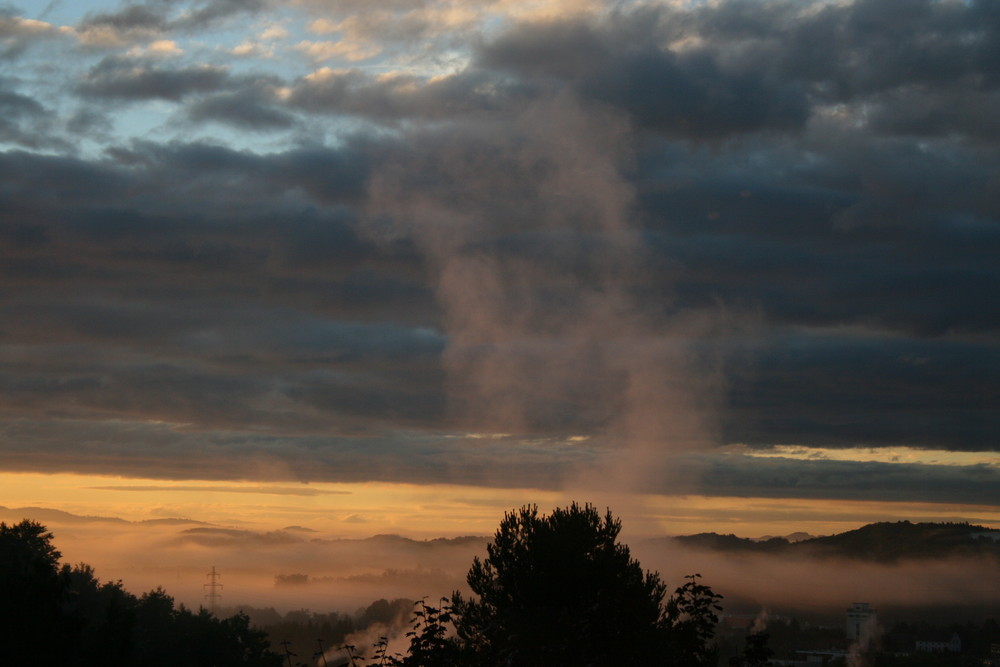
(159, 120)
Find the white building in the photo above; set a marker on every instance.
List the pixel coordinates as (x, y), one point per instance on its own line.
(861, 620)
(940, 644)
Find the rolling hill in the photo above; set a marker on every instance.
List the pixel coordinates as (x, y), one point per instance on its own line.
(881, 542)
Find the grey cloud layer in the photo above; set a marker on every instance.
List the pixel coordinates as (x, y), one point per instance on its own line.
(736, 223)
(160, 17)
(131, 79)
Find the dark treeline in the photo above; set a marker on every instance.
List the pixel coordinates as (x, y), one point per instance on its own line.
(553, 590)
(894, 645)
(560, 590)
(885, 542)
(898, 644)
(52, 613)
(304, 630)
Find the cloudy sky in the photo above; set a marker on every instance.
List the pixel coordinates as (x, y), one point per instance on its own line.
(437, 258)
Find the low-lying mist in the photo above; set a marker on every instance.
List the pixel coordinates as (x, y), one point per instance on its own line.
(295, 568)
(286, 569)
(824, 588)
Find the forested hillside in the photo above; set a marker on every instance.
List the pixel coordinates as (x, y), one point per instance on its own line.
(883, 542)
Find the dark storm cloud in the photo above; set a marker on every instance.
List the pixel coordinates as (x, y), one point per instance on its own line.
(831, 389)
(272, 378)
(689, 94)
(767, 223)
(250, 107)
(703, 74)
(733, 68)
(166, 15)
(400, 97)
(202, 315)
(16, 110)
(123, 78)
(126, 194)
(231, 182)
(98, 231)
(159, 451)
(890, 237)
(26, 122)
(922, 113)
(851, 480)
(871, 46)
(833, 218)
(129, 17)
(870, 270)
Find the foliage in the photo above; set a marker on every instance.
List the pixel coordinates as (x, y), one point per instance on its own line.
(106, 616)
(881, 542)
(32, 593)
(429, 642)
(561, 590)
(756, 652)
(382, 657)
(553, 590)
(429, 646)
(301, 628)
(27, 546)
(892, 541)
(45, 609)
(692, 619)
(385, 612)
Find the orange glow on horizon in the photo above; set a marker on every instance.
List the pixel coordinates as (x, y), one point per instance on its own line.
(243, 543)
(441, 510)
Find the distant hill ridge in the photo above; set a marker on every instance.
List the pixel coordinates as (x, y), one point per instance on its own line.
(884, 541)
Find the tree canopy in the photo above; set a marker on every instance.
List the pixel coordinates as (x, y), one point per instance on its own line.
(552, 590)
(560, 589)
(47, 609)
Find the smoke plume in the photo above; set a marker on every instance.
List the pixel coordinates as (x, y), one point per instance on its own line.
(528, 227)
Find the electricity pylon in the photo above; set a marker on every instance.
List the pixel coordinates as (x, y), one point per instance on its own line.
(213, 587)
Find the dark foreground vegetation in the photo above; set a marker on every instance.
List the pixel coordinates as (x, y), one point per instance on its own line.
(789, 640)
(883, 542)
(52, 614)
(553, 590)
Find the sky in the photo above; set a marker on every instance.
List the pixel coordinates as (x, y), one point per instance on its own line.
(398, 267)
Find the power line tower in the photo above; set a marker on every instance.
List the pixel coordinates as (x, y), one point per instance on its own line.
(213, 587)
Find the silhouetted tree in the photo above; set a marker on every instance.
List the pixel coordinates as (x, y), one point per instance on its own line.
(756, 652)
(106, 614)
(32, 593)
(691, 617)
(561, 590)
(430, 645)
(66, 612)
(166, 636)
